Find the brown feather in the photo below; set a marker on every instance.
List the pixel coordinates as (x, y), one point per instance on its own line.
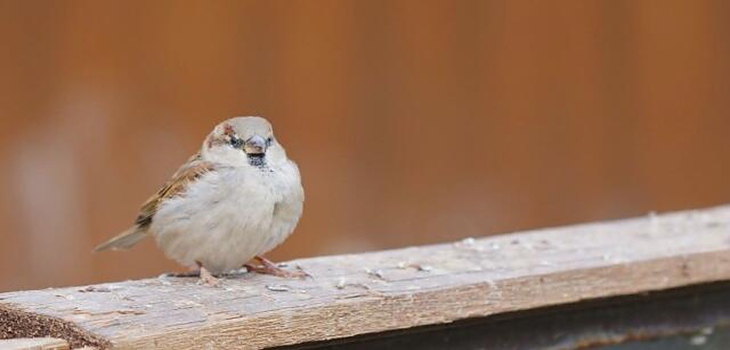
(194, 168)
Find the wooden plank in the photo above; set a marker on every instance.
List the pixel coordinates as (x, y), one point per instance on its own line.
(396, 289)
(34, 344)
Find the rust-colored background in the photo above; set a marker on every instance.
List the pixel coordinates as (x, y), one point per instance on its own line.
(413, 122)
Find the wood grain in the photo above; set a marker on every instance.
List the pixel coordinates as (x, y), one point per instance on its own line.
(356, 294)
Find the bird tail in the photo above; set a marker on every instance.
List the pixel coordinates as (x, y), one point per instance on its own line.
(124, 240)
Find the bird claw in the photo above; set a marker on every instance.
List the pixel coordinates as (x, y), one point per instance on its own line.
(269, 268)
(207, 278)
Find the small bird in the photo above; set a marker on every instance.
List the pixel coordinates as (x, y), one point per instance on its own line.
(234, 200)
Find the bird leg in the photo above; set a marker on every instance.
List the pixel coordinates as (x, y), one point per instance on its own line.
(206, 277)
(269, 268)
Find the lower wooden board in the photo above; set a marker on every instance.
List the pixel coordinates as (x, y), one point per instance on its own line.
(687, 318)
(351, 295)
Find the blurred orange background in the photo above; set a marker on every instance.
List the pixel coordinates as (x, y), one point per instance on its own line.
(413, 122)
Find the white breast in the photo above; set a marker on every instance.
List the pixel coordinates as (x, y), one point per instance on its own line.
(228, 216)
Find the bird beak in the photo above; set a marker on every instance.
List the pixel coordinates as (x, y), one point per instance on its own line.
(255, 145)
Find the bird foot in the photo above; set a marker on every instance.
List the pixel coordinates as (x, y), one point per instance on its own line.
(207, 278)
(269, 268)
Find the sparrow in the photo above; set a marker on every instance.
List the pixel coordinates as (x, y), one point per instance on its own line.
(234, 200)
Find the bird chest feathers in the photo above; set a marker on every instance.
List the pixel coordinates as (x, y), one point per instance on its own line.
(241, 211)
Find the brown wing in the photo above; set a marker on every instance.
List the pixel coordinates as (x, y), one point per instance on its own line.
(193, 169)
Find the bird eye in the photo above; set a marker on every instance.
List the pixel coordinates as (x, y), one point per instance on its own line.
(236, 142)
(269, 141)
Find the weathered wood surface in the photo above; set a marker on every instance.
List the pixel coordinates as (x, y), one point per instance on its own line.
(34, 344)
(355, 294)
